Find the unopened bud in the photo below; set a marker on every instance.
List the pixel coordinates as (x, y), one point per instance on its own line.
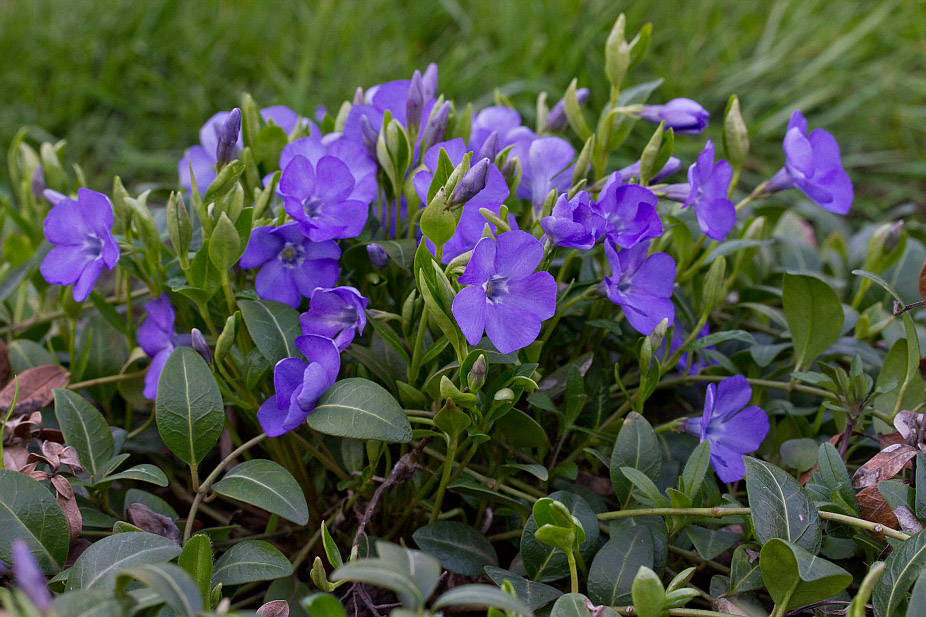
(358, 96)
(429, 81)
(512, 173)
(556, 120)
(200, 346)
(415, 103)
(377, 255)
(29, 577)
(369, 134)
(893, 236)
(712, 293)
(228, 138)
(472, 183)
(489, 147)
(53, 197)
(38, 182)
(437, 126)
(477, 374)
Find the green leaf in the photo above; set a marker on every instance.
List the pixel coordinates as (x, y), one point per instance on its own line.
(481, 596)
(381, 573)
(85, 429)
(322, 605)
(532, 593)
(28, 512)
(268, 486)
(545, 563)
(649, 493)
(331, 549)
(87, 603)
(745, 575)
(814, 315)
(636, 447)
(831, 473)
(917, 604)
(571, 605)
(695, 469)
(196, 559)
(172, 583)
(144, 473)
(250, 561)
(610, 577)
(711, 542)
(104, 559)
(457, 546)
(224, 245)
(273, 326)
(422, 569)
(799, 454)
(649, 596)
(269, 144)
(189, 410)
(920, 499)
(781, 507)
(360, 409)
(795, 577)
(901, 568)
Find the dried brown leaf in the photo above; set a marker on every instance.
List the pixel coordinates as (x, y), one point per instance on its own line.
(884, 465)
(274, 608)
(923, 282)
(148, 520)
(35, 388)
(65, 497)
(5, 368)
(873, 507)
(15, 457)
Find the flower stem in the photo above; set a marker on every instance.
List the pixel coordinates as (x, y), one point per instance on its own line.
(446, 472)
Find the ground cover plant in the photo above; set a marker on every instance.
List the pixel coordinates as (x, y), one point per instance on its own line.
(411, 356)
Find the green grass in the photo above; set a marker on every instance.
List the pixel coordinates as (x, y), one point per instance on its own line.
(128, 84)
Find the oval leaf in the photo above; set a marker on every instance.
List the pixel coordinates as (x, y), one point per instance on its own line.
(28, 512)
(814, 316)
(636, 447)
(457, 546)
(103, 560)
(545, 563)
(901, 568)
(273, 326)
(795, 577)
(84, 429)
(144, 473)
(780, 507)
(171, 582)
(610, 577)
(360, 409)
(249, 561)
(189, 408)
(482, 596)
(268, 486)
(35, 388)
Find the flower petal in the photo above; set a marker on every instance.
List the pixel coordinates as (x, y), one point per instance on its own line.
(87, 279)
(262, 247)
(275, 282)
(517, 255)
(298, 179)
(510, 328)
(322, 351)
(535, 294)
(481, 265)
(469, 309)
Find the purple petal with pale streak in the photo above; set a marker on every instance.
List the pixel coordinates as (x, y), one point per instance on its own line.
(87, 280)
(275, 282)
(64, 224)
(262, 247)
(334, 182)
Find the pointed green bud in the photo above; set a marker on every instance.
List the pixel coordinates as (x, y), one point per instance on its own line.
(580, 172)
(573, 111)
(179, 227)
(227, 337)
(713, 291)
(735, 134)
(617, 53)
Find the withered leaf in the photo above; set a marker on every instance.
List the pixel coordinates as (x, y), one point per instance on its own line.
(907, 424)
(889, 439)
(148, 520)
(884, 465)
(5, 368)
(873, 507)
(274, 608)
(923, 282)
(65, 497)
(35, 388)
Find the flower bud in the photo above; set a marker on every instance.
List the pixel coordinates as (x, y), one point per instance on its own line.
(200, 346)
(712, 292)
(179, 227)
(893, 236)
(512, 173)
(504, 395)
(477, 374)
(38, 182)
(228, 138)
(617, 53)
(735, 134)
(414, 103)
(377, 255)
(358, 96)
(472, 183)
(369, 134)
(437, 126)
(489, 147)
(556, 120)
(226, 338)
(684, 116)
(29, 577)
(429, 81)
(676, 192)
(53, 197)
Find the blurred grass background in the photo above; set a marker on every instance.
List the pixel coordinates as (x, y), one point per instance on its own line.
(128, 84)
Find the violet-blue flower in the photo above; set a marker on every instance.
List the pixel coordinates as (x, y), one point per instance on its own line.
(82, 233)
(697, 364)
(504, 296)
(546, 163)
(469, 228)
(814, 165)
(683, 116)
(290, 264)
(556, 119)
(641, 285)
(502, 121)
(709, 184)
(326, 189)
(393, 96)
(574, 223)
(338, 314)
(633, 170)
(298, 385)
(629, 211)
(731, 425)
(29, 576)
(156, 338)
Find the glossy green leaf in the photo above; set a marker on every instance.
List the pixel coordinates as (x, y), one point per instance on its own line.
(29, 512)
(696, 469)
(189, 410)
(323, 605)
(610, 576)
(85, 429)
(457, 546)
(481, 596)
(268, 486)
(648, 594)
(795, 577)
(745, 573)
(249, 561)
(360, 409)
(571, 605)
(901, 568)
(175, 586)
(224, 245)
(711, 542)
(273, 326)
(380, 573)
(196, 559)
(144, 473)
(422, 569)
(545, 563)
(636, 447)
(781, 507)
(535, 595)
(104, 559)
(814, 316)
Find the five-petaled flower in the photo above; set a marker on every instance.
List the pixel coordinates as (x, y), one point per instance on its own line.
(710, 182)
(338, 314)
(813, 164)
(504, 297)
(629, 211)
(82, 232)
(290, 264)
(546, 164)
(574, 223)
(297, 385)
(731, 425)
(641, 285)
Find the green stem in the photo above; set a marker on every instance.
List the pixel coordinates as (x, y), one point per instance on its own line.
(108, 379)
(573, 572)
(444, 478)
(419, 343)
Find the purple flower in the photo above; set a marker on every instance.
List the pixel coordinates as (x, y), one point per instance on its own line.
(203, 156)
(290, 265)
(504, 123)
(709, 184)
(732, 428)
(298, 385)
(471, 223)
(547, 164)
(641, 285)
(338, 314)
(156, 338)
(629, 211)
(82, 232)
(396, 97)
(633, 171)
(813, 164)
(505, 297)
(556, 119)
(678, 337)
(29, 577)
(228, 138)
(574, 222)
(326, 194)
(683, 116)
(378, 256)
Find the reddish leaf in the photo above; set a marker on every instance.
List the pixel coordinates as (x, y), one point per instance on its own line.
(923, 282)
(873, 507)
(5, 369)
(65, 496)
(884, 465)
(35, 386)
(274, 608)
